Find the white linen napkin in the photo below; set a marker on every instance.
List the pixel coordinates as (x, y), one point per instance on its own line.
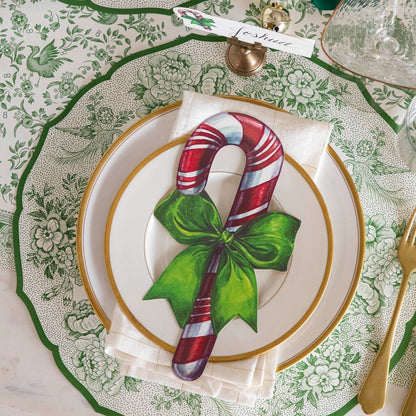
(242, 381)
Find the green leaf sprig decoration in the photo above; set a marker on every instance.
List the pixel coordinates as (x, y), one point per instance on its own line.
(265, 242)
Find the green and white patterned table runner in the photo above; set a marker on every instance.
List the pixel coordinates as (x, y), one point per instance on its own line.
(110, 68)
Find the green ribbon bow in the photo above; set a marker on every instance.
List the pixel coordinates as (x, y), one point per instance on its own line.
(265, 242)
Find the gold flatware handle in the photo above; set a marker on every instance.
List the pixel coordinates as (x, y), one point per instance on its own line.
(409, 407)
(372, 396)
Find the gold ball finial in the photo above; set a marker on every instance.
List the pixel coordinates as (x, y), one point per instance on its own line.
(275, 17)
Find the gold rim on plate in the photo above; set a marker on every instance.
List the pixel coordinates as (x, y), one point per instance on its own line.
(135, 320)
(338, 162)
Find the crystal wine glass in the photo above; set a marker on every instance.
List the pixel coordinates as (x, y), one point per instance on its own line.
(375, 39)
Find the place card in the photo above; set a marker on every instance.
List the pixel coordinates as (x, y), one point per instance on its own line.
(244, 32)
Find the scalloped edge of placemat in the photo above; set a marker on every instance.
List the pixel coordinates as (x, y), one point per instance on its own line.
(158, 10)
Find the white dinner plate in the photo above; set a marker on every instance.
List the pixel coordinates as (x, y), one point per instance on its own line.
(138, 249)
(152, 132)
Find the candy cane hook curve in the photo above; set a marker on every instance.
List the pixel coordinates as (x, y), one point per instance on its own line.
(264, 159)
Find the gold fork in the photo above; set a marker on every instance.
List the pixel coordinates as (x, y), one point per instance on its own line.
(372, 396)
(409, 407)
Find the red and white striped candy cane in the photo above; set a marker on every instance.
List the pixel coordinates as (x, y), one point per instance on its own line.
(264, 158)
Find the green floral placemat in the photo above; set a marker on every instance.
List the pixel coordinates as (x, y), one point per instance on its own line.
(326, 381)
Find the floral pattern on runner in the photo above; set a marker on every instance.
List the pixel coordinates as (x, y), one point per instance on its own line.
(365, 160)
(92, 365)
(167, 75)
(53, 236)
(329, 369)
(293, 87)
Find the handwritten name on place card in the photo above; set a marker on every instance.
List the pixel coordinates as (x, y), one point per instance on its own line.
(244, 32)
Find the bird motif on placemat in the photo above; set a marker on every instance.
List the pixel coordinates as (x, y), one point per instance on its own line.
(98, 137)
(46, 64)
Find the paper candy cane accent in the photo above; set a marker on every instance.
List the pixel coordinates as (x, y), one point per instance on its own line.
(264, 158)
